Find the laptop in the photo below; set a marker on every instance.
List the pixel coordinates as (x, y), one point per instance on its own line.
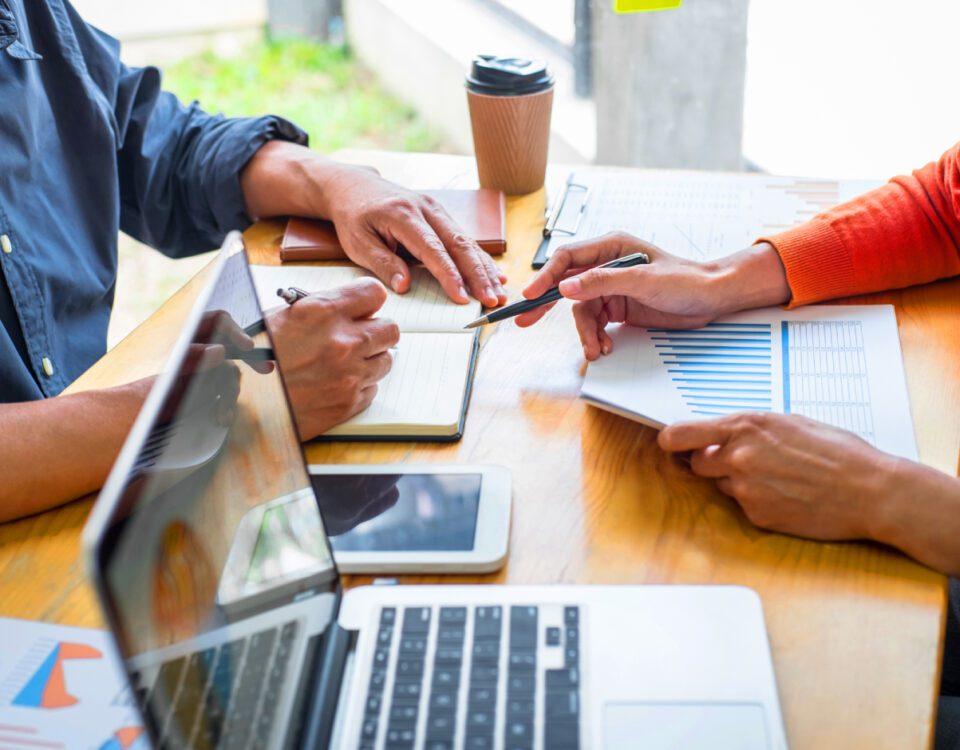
(290, 659)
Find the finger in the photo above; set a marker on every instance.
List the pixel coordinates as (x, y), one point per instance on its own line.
(603, 320)
(234, 334)
(579, 255)
(469, 258)
(374, 255)
(202, 357)
(418, 237)
(497, 275)
(529, 318)
(364, 399)
(376, 368)
(263, 368)
(605, 282)
(380, 335)
(359, 299)
(710, 462)
(588, 326)
(686, 436)
(217, 326)
(494, 268)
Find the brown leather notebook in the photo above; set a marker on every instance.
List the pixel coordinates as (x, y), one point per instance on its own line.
(480, 213)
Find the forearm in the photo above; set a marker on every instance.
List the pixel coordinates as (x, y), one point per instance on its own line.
(62, 448)
(904, 233)
(286, 179)
(920, 515)
(751, 278)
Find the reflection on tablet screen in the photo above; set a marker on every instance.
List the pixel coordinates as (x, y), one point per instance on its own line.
(406, 513)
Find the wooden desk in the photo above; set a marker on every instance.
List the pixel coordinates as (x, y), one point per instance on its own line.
(855, 628)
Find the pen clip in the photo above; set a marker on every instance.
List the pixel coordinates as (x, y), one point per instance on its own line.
(627, 261)
(559, 208)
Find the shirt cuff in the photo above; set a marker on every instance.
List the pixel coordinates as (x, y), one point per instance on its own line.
(246, 137)
(817, 263)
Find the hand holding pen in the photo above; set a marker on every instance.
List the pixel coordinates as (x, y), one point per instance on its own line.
(550, 295)
(670, 292)
(333, 349)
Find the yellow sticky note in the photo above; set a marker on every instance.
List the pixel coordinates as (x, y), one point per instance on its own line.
(632, 6)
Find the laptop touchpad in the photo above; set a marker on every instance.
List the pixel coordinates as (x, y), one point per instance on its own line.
(684, 726)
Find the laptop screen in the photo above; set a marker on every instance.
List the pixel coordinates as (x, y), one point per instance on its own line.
(214, 533)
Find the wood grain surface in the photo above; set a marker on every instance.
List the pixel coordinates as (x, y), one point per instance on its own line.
(855, 628)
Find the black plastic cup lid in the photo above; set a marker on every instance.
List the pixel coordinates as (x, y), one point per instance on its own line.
(508, 76)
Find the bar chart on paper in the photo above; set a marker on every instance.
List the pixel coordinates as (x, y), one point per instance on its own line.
(835, 364)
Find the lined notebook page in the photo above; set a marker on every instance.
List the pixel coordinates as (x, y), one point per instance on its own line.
(425, 307)
(424, 392)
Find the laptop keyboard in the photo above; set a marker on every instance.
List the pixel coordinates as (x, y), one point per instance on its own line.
(474, 679)
(221, 698)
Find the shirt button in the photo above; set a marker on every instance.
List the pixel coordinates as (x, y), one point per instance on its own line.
(6, 244)
(47, 366)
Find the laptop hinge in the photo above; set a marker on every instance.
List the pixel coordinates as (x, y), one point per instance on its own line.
(322, 710)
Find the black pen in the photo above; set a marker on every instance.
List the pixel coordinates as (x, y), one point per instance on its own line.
(511, 311)
(259, 354)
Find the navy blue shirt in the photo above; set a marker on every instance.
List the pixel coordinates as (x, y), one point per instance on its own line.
(89, 146)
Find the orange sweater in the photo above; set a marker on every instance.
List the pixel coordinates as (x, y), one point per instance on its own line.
(906, 232)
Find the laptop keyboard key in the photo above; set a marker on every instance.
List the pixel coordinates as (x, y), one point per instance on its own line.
(453, 615)
(487, 623)
(479, 742)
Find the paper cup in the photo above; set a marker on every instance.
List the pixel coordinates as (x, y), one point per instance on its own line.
(510, 137)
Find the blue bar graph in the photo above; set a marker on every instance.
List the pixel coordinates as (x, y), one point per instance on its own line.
(785, 353)
(720, 369)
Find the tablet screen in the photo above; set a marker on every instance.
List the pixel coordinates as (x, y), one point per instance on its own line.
(399, 512)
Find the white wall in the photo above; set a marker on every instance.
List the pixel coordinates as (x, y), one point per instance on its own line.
(853, 88)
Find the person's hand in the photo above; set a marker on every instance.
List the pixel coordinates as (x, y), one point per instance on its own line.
(789, 473)
(374, 217)
(332, 353)
(669, 292)
(220, 335)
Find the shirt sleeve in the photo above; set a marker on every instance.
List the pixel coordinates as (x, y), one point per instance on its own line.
(179, 167)
(903, 233)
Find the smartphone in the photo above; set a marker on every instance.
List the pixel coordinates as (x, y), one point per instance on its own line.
(395, 518)
(405, 518)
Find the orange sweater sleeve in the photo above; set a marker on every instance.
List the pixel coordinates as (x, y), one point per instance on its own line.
(903, 233)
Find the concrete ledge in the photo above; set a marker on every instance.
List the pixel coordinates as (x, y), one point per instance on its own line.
(421, 49)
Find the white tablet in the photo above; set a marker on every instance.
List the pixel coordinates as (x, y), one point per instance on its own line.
(407, 518)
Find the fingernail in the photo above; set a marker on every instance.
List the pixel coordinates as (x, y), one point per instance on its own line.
(606, 348)
(463, 293)
(570, 286)
(396, 281)
(489, 294)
